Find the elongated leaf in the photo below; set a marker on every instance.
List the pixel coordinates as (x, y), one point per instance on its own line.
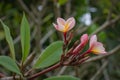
(2, 35)
(48, 17)
(50, 55)
(9, 64)
(25, 38)
(9, 40)
(62, 78)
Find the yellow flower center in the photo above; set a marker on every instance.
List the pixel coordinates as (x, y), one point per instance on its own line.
(95, 51)
(66, 27)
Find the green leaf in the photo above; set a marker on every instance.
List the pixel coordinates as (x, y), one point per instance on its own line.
(62, 78)
(50, 55)
(92, 28)
(102, 36)
(48, 17)
(2, 35)
(9, 64)
(25, 38)
(9, 40)
(62, 2)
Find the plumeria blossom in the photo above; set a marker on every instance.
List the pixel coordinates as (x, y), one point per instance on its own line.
(64, 26)
(96, 47)
(84, 40)
(75, 55)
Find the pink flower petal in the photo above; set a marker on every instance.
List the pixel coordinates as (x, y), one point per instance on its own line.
(59, 28)
(98, 48)
(56, 26)
(71, 23)
(93, 40)
(65, 26)
(60, 21)
(84, 38)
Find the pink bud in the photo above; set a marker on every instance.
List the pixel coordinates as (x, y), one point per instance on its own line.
(84, 40)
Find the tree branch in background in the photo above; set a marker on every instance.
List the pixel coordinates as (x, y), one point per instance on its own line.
(56, 8)
(37, 20)
(105, 72)
(99, 71)
(68, 9)
(106, 24)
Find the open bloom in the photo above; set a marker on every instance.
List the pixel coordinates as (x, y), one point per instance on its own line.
(64, 26)
(96, 47)
(84, 40)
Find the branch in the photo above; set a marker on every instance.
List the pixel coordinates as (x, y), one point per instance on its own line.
(105, 72)
(9, 78)
(27, 10)
(46, 36)
(29, 59)
(82, 28)
(44, 71)
(62, 70)
(99, 71)
(106, 24)
(68, 8)
(57, 9)
(58, 65)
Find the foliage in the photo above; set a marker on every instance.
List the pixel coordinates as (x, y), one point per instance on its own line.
(25, 38)
(9, 40)
(62, 78)
(9, 64)
(50, 55)
(37, 33)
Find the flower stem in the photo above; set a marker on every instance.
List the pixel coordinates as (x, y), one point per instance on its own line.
(65, 38)
(44, 71)
(84, 54)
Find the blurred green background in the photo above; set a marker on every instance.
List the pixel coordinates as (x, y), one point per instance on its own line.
(101, 17)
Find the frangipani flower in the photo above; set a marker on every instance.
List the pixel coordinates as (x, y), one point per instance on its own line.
(84, 40)
(96, 47)
(64, 26)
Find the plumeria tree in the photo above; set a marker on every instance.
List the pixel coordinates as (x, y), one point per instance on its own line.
(57, 54)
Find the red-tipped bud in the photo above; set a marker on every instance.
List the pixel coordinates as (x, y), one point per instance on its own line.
(84, 40)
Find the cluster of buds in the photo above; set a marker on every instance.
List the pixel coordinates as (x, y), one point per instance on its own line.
(75, 55)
